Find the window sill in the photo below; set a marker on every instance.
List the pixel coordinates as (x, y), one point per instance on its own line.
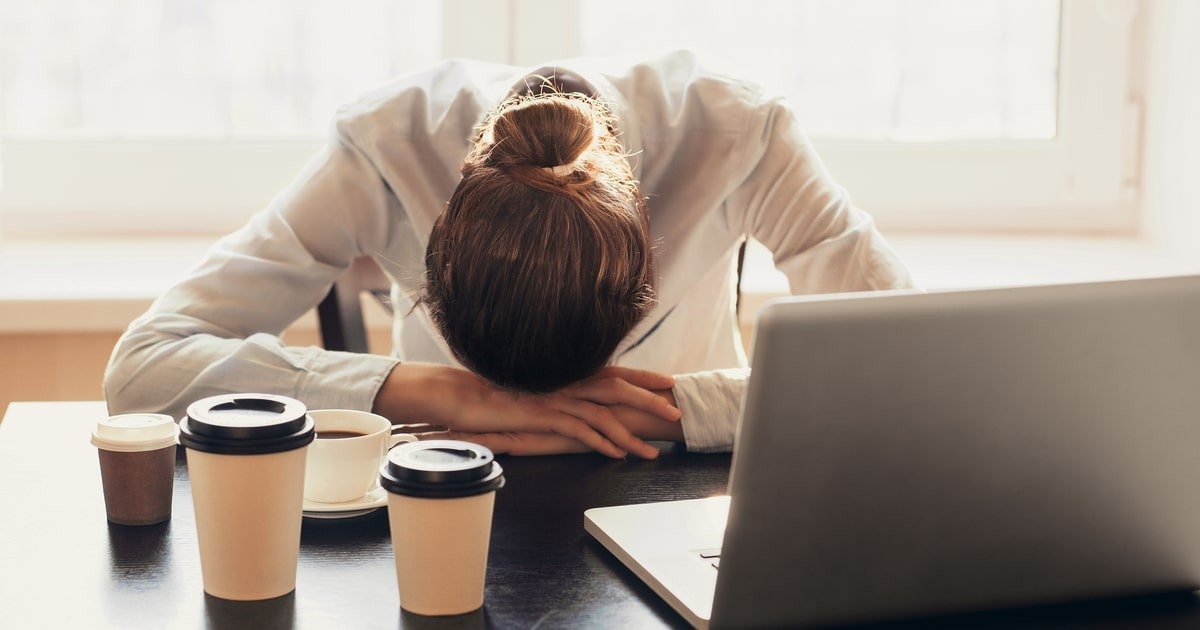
(950, 261)
(100, 285)
(87, 285)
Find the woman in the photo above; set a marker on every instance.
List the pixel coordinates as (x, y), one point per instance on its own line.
(585, 256)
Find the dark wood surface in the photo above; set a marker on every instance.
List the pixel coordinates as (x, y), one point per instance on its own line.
(63, 565)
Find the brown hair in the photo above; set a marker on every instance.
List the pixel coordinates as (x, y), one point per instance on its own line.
(541, 264)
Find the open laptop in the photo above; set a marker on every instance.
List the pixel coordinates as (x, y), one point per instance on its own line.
(904, 455)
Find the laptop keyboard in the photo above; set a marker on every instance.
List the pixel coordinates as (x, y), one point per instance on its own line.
(713, 556)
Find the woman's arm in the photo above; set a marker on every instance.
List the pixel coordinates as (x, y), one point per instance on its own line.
(217, 330)
(594, 414)
(820, 240)
(790, 203)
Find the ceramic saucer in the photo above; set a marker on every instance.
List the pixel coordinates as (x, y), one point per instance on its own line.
(369, 502)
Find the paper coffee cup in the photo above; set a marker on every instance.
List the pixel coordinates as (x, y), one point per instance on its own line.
(245, 455)
(440, 499)
(137, 466)
(343, 462)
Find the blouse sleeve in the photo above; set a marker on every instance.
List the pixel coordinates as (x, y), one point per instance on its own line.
(217, 330)
(710, 403)
(819, 240)
(790, 203)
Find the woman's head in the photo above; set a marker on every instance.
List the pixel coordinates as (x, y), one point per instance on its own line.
(541, 262)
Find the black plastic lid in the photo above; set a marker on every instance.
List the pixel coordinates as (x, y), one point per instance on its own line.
(440, 469)
(246, 424)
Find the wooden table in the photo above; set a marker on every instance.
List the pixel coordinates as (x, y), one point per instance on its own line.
(62, 565)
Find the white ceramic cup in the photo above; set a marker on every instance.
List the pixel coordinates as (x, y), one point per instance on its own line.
(341, 469)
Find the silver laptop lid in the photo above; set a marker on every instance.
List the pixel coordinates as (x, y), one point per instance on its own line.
(945, 452)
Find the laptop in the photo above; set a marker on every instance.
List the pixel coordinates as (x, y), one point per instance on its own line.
(905, 455)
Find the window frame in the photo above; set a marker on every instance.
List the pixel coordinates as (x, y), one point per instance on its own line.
(1080, 181)
(1083, 180)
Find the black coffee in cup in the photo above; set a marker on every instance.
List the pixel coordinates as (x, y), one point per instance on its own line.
(338, 435)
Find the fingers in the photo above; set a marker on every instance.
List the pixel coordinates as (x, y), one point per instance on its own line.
(495, 442)
(544, 444)
(498, 411)
(618, 391)
(516, 443)
(560, 424)
(600, 418)
(579, 412)
(647, 426)
(599, 438)
(641, 378)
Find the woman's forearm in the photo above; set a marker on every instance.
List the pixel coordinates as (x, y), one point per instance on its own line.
(590, 412)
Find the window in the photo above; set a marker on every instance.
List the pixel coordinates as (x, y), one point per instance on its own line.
(870, 70)
(203, 69)
(162, 116)
(156, 116)
(934, 114)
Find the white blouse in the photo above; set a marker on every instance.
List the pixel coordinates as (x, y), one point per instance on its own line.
(718, 160)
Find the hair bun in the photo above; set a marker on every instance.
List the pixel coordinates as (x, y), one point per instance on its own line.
(542, 260)
(542, 131)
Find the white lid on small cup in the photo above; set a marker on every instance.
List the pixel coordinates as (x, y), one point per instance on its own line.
(134, 432)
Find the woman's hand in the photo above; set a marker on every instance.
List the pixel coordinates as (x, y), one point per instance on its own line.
(585, 412)
(642, 424)
(648, 426)
(513, 443)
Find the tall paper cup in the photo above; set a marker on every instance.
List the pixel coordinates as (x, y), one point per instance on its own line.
(246, 455)
(137, 466)
(440, 498)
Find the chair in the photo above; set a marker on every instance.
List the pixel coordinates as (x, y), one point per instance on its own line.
(340, 314)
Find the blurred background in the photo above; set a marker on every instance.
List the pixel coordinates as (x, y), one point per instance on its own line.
(995, 141)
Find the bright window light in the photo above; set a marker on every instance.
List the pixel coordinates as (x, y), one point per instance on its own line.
(905, 70)
(947, 115)
(214, 69)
